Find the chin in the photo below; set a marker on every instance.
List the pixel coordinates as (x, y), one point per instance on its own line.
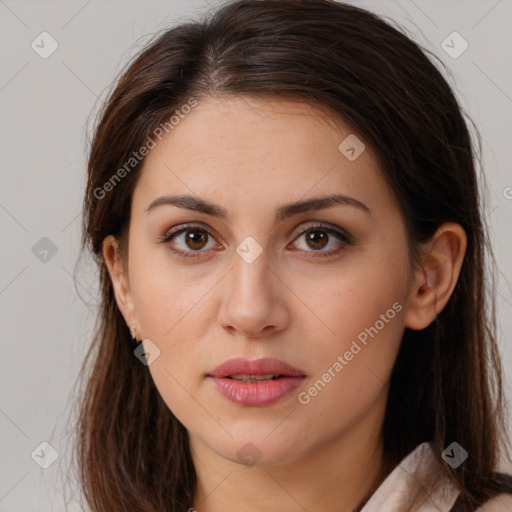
(258, 449)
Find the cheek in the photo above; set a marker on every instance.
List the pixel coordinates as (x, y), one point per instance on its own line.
(354, 350)
(354, 318)
(351, 368)
(354, 296)
(173, 315)
(174, 309)
(164, 292)
(171, 312)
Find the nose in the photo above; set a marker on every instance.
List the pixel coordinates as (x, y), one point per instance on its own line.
(255, 299)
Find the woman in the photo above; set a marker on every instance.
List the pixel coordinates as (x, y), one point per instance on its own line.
(282, 201)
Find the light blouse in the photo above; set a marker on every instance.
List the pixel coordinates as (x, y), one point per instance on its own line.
(406, 481)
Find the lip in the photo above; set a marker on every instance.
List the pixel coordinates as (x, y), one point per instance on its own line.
(255, 367)
(255, 394)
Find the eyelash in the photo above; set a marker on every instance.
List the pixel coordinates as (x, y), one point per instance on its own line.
(344, 237)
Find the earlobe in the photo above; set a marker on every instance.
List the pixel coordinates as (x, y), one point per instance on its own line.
(436, 277)
(119, 278)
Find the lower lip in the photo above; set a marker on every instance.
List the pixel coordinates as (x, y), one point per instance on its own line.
(256, 393)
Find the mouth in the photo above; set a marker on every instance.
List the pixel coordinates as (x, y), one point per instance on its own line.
(267, 368)
(254, 383)
(254, 378)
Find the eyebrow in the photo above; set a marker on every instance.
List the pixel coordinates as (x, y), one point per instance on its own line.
(197, 204)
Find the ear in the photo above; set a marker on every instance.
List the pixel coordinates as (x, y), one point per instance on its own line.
(120, 282)
(435, 278)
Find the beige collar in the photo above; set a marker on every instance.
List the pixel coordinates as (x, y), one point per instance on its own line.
(405, 482)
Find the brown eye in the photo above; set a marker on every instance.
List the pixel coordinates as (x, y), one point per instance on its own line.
(188, 240)
(317, 239)
(196, 238)
(191, 241)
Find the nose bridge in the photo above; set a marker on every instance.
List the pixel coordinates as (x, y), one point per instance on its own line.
(252, 301)
(251, 273)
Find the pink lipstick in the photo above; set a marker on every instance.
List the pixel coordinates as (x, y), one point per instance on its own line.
(255, 382)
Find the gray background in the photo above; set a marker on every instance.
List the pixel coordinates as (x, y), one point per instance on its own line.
(46, 106)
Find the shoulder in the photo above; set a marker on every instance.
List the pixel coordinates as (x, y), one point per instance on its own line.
(500, 503)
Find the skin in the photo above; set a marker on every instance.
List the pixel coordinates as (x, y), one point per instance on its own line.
(251, 156)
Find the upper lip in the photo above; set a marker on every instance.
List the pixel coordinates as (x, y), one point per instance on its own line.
(241, 365)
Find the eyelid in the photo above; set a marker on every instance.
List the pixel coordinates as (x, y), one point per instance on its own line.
(343, 236)
(183, 227)
(295, 233)
(330, 228)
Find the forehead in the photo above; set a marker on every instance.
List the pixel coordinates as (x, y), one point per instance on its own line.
(256, 149)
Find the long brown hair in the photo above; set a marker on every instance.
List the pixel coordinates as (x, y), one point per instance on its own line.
(132, 453)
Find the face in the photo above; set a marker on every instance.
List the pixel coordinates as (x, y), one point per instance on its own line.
(323, 290)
